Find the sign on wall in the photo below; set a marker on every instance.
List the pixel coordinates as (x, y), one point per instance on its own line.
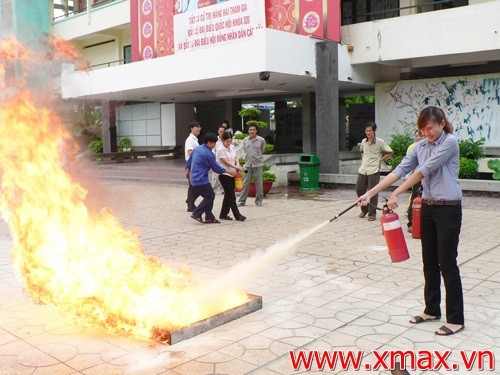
(218, 24)
(318, 18)
(471, 104)
(152, 31)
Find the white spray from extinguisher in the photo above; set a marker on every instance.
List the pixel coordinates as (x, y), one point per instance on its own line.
(246, 272)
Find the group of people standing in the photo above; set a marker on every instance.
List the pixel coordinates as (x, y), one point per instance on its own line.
(218, 154)
(432, 162)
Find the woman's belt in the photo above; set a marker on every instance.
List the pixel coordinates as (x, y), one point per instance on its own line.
(431, 202)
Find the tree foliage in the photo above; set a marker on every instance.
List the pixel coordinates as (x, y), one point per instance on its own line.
(87, 122)
(251, 114)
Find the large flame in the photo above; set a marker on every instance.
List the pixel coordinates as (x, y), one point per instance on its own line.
(85, 263)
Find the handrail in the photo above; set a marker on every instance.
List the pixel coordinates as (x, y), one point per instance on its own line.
(96, 4)
(108, 64)
(69, 14)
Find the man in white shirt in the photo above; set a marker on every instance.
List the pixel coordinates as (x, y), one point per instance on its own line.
(190, 144)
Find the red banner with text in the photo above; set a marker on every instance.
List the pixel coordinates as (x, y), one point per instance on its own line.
(165, 27)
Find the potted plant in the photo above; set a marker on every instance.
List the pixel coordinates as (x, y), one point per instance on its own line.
(268, 178)
(125, 144)
(252, 115)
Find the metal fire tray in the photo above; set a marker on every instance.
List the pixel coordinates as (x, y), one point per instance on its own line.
(173, 337)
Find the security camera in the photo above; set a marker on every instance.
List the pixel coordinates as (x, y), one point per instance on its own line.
(264, 76)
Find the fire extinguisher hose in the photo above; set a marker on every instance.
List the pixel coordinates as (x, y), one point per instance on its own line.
(343, 212)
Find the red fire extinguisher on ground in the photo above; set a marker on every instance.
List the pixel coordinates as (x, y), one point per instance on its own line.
(416, 208)
(238, 183)
(394, 237)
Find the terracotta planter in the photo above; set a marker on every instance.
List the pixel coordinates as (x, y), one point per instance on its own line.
(267, 185)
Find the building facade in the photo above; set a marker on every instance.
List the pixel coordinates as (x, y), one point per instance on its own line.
(158, 64)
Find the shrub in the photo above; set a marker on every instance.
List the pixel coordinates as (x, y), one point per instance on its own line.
(468, 168)
(95, 146)
(240, 135)
(494, 165)
(471, 150)
(259, 124)
(125, 144)
(86, 121)
(399, 144)
(268, 176)
(252, 114)
(395, 160)
(269, 148)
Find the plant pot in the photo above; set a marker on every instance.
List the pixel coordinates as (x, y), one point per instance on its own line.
(267, 185)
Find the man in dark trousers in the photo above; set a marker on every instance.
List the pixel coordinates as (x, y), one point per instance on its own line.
(373, 152)
(197, 167)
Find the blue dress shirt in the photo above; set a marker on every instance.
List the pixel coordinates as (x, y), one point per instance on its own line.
(201, 161)
(439, 163)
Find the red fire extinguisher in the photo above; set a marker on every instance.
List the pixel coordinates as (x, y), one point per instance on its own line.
(238, 183)
(416, 208)
(394, 237)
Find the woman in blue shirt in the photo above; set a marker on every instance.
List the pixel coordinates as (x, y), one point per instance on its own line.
(435, 160)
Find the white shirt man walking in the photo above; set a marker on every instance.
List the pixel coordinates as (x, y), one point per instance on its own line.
(190, 144)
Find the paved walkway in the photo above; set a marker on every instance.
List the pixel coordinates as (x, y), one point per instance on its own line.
(336, 290)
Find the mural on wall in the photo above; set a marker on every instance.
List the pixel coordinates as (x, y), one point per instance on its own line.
(471, 103)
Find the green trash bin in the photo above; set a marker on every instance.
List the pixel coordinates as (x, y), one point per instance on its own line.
(309, 172)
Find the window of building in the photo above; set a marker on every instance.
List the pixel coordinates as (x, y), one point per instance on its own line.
(127, 54)
(355, 11)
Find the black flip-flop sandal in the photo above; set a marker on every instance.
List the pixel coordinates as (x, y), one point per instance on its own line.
(418, 319)
(225, 217)
(447, 331)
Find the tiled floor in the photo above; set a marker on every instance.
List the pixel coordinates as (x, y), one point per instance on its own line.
(335, 291)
